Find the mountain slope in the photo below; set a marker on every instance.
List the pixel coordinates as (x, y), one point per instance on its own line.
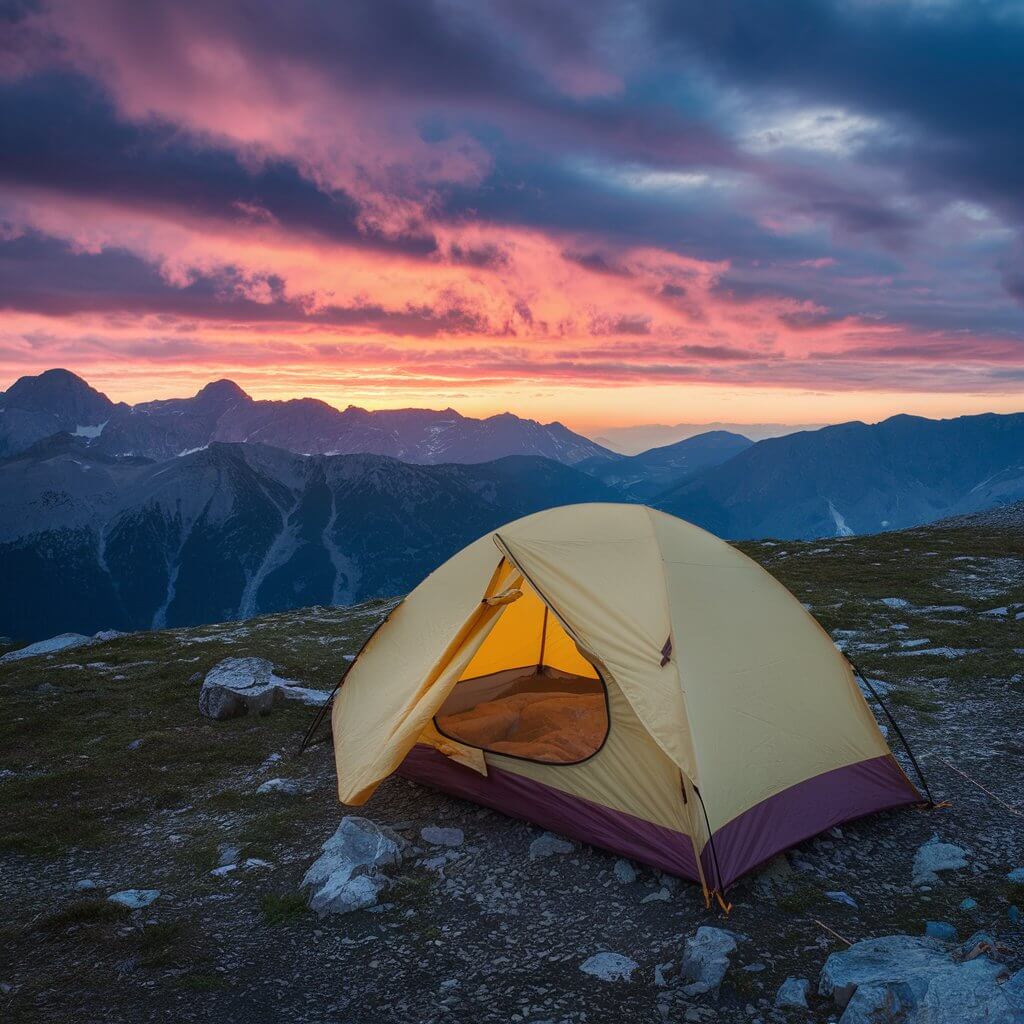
(97, 542)
(641, 477)
(855, 478)
(37, 407)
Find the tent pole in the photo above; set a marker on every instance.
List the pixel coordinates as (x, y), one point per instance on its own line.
(899, 731)
(719, 891)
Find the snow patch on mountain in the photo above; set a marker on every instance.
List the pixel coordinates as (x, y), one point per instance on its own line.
(842, 526)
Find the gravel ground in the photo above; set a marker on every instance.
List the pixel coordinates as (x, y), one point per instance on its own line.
(108, 776)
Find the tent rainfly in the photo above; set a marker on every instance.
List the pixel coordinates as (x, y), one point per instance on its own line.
(624, 678)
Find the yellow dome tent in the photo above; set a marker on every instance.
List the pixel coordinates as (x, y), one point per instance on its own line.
(625, 678)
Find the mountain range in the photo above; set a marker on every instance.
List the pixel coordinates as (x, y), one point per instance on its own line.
(128, 517)
(37, 407)
(91, 541)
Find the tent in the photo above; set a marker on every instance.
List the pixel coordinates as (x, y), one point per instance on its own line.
(624, 678)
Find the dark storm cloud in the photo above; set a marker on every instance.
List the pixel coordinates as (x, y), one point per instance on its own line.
(58, 132)
(947, 78)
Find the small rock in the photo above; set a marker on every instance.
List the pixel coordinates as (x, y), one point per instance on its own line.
(941, 930)
(842, 897)
(978, 943)
(348, 874)
(134, 899)
(1014, 915)
(793, 993)
(286, 787)
(968, 905)
(664, 973)
(227, 854)
(935, 856)
(1016, 876)
(609, 966)
(547, 845)
(238, 686)
(661, 896)
(84, 885)
(438, 836)
(706, 959)
(624, 871)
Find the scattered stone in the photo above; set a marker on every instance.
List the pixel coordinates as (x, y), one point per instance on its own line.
(240, 686)
(348, 874)
(624, 871)
(793, 993)
(665, 973)
(941, 930)
(609, 966)
(134, 899)
(227, 854)
(895, 602)
(935, 856)
(978, 943)
(84, 885)
(663, 895)
(1016, 876)
(842, 897)
(63, 642)
(547, 845)
(706, 958)
(286, 787)
(968, 905)
(439, 836)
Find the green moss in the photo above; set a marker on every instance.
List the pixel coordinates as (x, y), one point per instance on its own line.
(82, 912)
(283, 908)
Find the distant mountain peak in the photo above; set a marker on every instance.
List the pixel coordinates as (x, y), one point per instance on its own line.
(61, 394)
(222, 391)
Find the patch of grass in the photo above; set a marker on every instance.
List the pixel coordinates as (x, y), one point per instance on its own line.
(163, 944)
(231, 800)
(283, 908)
(801, 899)
(85, 911)
(914, 701)
(412, 890)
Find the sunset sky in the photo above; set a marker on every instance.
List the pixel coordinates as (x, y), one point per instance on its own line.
(603, 213)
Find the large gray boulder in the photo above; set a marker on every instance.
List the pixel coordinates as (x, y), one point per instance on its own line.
(240, 686)
(918, 980)
(706, 959)
(349, 873)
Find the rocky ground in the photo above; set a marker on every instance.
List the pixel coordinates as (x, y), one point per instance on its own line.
(110, 781)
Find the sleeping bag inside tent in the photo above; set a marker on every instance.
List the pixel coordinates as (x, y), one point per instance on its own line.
(626, 679)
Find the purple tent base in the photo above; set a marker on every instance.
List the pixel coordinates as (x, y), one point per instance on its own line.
(757, 835)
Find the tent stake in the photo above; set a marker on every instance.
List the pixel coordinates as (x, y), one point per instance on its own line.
(821, 924)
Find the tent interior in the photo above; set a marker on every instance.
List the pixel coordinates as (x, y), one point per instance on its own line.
(528, 692)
